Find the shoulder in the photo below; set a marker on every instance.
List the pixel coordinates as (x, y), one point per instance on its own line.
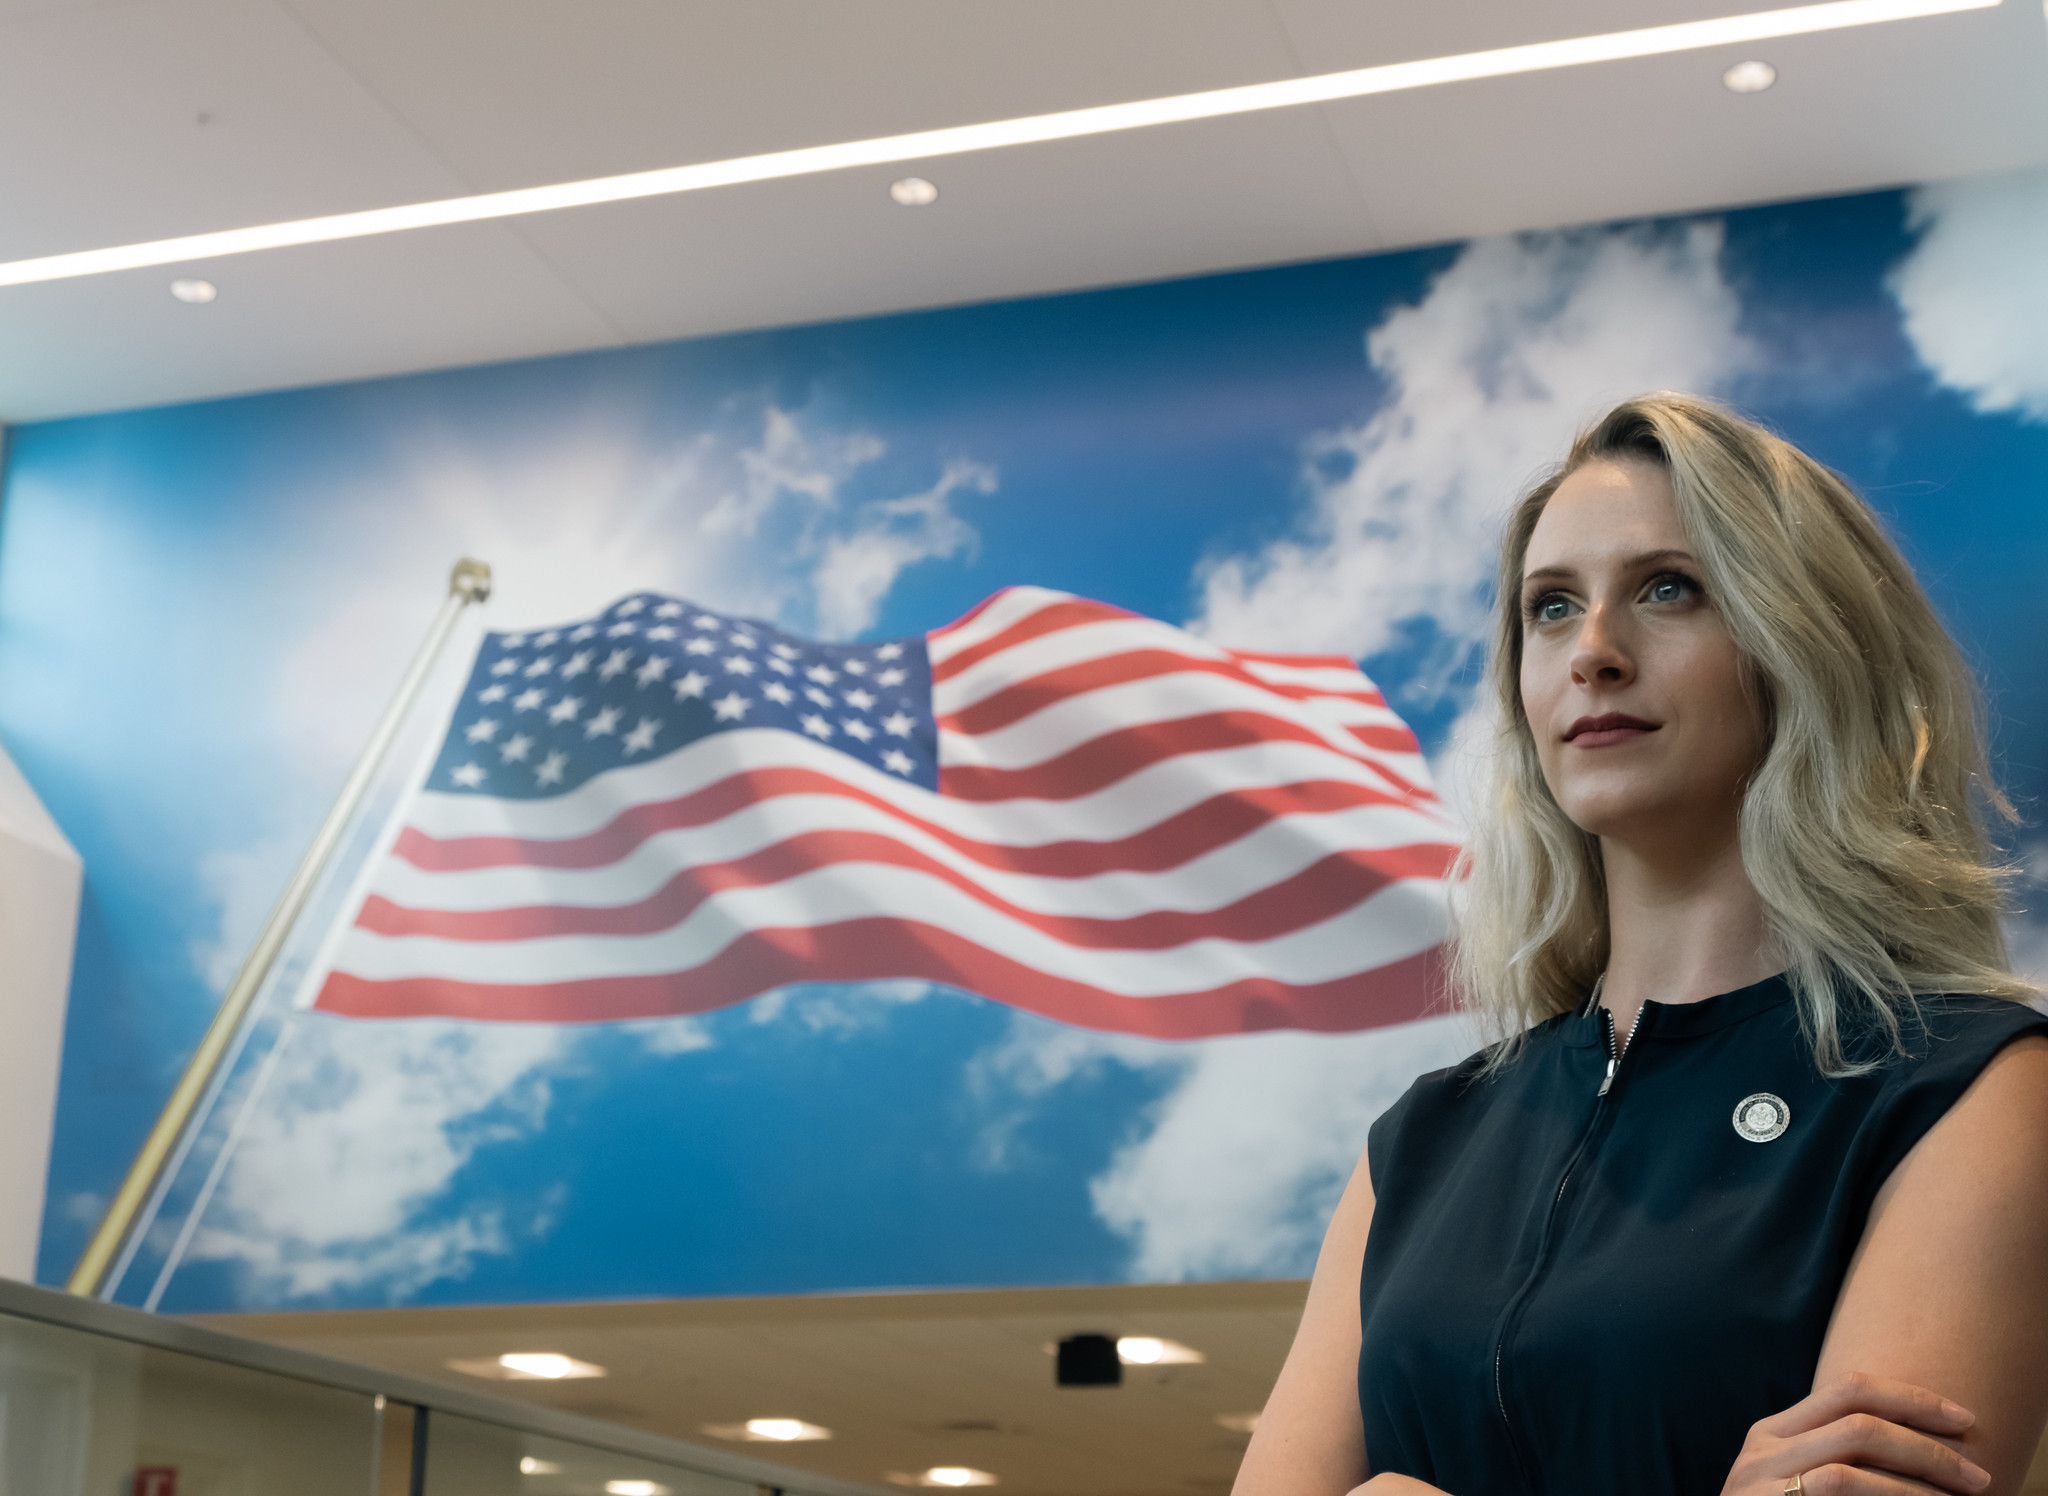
(1441, 1108)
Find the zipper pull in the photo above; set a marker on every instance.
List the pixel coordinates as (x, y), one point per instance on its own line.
(1607, 1081)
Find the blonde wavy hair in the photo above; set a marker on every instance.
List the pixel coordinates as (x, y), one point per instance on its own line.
(1861, 829)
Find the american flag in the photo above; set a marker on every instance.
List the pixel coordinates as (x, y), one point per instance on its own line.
(1053, 803)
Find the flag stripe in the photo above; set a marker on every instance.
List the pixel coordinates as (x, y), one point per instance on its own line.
(1403, 989)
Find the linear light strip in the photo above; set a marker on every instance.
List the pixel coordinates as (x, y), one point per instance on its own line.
(954, 140)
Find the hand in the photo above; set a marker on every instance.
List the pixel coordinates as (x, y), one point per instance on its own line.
(1860, 1436)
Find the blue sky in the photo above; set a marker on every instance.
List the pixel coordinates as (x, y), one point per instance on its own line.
(201, 609)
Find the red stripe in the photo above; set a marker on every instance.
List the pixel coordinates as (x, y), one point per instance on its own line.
(1050, 619)
(1101, 762)
(1021, 698)
(1178, 838)
(1298, 662)
(1324, 889)
(886, 950)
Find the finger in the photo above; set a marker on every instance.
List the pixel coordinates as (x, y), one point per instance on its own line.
(1859, 1392)
(1851, 1480)
(1870, 1442)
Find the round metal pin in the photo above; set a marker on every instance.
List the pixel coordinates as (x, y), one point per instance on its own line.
(1761, 1117)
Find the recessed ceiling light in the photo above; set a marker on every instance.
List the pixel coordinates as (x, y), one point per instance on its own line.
(194, 292)
(521, 1366)
(635, 1488)
(1070, 124)
(1149, 1350)
(1749, 77)
(1238, 1423)
(955, 1476)
(528, 1465)
(914, 192)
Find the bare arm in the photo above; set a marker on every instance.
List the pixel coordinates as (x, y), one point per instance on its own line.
(1310, 1440)
(1949, 1288)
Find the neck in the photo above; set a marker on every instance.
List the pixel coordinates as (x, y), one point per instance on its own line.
(1680, 929)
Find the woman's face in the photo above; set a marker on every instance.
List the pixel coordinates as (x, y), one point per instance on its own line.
(1631, 683)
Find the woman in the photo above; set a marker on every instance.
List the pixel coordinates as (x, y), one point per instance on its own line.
(1730, 1208)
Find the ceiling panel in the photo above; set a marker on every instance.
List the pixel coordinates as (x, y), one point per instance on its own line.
(1166, 202)
(517, 92)
(1851, 110)
(146, 120)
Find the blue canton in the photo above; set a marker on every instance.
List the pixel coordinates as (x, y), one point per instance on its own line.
(545, 711)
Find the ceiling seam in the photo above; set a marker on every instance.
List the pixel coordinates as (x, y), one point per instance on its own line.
(413, 133)
(1329, 131)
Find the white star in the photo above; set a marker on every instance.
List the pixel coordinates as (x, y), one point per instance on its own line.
(853, 727)
(853, 667)
(899, 725)
(581, 632)
(620, 630)
(542, 641)
(604, 724)
(550, 770)
(541, 666)
(690, 685)
(631, 606)
(482, 730)
(469, 776)
(817, 726)
(891, 678)
(516, 748)
(661, 631)
(669, 609)
(578, 663)
(528, 699)
(513, 641)
(781, 667)
(785, 652)
(860, 701)
(614, 662)
(889, 652)
(704, 621)
(641, 738)
(778, 693)
(491, 693)
(823, 698)
(731, 707)
(701, 646)
(740, 665)
(655, 668)
(897, 762)
(566, 709)
(505, 666)
(824, 675)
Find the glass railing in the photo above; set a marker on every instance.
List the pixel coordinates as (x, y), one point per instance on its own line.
(98, 1400)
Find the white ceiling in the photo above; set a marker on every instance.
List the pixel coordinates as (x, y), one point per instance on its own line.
(127, 120)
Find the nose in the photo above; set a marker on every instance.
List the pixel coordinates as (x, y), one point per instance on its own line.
(1600, 654)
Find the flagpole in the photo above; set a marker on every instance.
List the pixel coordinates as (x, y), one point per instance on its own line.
(469, 582)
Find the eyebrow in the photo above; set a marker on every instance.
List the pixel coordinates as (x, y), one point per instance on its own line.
(1633, 563)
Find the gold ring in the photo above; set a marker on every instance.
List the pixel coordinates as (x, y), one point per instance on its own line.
(1793, 1487)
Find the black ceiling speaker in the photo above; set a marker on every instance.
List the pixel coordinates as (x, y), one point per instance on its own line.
(1088, 1361)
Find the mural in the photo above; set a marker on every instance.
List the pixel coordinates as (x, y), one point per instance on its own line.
(203, 608)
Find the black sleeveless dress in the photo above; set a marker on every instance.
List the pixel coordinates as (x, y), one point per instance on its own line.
(1566, 1294)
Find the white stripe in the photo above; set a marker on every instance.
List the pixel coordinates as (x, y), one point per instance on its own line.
(1062, 649)
(1399, 921)
(1336, 678)
(1082, 718)
(1109, 814)
(1268, 853)
(1011, 606)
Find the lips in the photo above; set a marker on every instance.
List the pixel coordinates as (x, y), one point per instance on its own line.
(1608, 729)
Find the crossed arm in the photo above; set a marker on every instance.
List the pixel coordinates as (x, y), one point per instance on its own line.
(1948, 1291)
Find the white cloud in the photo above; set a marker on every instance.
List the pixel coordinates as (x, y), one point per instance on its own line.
(1234, 1172)
(1513, 348)
(363, 1131)
(858, 569)
(1974, 293)
(789, 461)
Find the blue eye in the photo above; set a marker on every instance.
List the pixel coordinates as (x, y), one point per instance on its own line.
(1672, 589)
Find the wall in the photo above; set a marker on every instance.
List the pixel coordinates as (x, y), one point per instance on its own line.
(202, 608)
